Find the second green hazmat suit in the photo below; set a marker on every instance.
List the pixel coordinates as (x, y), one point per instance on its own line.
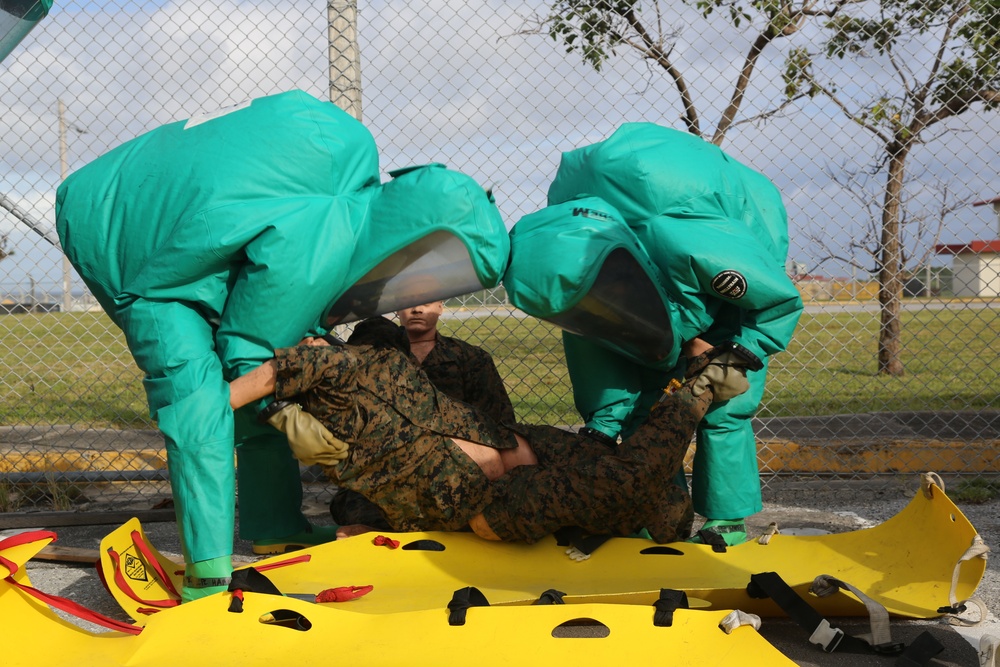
(715, 232)
(212, 242)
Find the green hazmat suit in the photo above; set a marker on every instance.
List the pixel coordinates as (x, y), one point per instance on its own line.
(716, 233)
(17, 18)
(214, 241)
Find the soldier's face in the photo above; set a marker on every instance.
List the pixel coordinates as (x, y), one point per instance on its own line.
(421, 319)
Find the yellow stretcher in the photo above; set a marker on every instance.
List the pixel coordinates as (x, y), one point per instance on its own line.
(272, 629)
(926, 558)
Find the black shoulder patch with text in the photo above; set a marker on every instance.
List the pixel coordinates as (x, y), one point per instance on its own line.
(730, 284)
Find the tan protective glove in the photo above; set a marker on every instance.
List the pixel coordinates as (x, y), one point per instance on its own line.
(311, 442)
(726, 374)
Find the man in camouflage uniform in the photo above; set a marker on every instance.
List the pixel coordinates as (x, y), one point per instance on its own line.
(458, 369)
(407, 451)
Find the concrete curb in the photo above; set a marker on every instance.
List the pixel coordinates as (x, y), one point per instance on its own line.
(874, 444)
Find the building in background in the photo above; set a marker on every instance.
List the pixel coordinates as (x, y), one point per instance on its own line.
(976, 265)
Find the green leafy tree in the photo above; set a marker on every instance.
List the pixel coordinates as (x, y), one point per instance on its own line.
(943, 56)
(960, 75)
(598, 30)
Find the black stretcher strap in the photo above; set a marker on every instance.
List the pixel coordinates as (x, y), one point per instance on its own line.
(462, 600)
(768, 584)
(821, 633)
(921, 651)
(551, 596)
(248, 580)
(670, 601)
(713, 539)
(573, 536)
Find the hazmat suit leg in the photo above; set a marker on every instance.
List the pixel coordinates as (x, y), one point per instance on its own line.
(269, 482)
(614, 395)
(725, 480)
(174, 345)
(606, 386)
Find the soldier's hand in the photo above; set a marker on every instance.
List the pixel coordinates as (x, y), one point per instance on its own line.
(311, 442)
(725, 375)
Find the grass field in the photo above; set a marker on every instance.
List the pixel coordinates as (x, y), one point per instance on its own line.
(75, 368)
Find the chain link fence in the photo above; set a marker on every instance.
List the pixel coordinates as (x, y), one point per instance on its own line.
(878, 123)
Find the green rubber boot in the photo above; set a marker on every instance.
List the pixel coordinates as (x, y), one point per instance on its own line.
(309, 537)
(206, 577)
(733, 531)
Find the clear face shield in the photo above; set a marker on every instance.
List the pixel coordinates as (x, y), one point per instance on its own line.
(624, 308)
(433, 268)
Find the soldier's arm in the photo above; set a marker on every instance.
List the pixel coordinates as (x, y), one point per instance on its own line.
(331, 370)
(262, 380)
(253, 386)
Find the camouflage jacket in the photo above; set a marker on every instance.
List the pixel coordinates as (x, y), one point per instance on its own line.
(467, 373)
(377, 401)
(458, 369)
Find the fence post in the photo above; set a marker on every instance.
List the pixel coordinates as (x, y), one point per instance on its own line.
(345, 56)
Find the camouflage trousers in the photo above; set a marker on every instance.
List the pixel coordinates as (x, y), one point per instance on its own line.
(428, 483)
(602, 490)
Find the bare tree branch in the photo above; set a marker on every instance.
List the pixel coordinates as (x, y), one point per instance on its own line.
(942, 48)
(874, 129)
(654, 50)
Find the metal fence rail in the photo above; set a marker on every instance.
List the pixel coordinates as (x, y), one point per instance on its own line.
(498, 90)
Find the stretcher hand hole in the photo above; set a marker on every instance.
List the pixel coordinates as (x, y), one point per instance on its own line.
(581, 628)
(424, 545)
(661, 551)
(286, 618)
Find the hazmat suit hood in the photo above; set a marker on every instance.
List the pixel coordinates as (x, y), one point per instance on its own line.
(248, 214)
(579, 266)
(716, 230)
(647, 171)
(429, 234)
(17, 18)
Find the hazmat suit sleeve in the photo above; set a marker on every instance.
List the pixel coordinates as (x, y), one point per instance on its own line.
(725, 282)
(292, 270)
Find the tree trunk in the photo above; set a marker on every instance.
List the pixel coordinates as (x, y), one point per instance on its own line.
(890, 291)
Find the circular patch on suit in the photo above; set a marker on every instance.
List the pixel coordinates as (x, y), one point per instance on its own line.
(730, 284)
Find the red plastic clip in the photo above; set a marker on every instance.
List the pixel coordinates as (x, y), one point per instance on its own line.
(342, 594)
(383, 541)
